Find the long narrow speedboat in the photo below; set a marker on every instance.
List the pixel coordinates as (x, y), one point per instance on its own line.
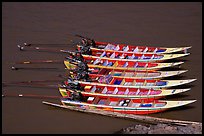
(122, 92)
(125, 105)
(121, 65)
(109, 81)
(143, 74)
(139, 57)
(124, 48)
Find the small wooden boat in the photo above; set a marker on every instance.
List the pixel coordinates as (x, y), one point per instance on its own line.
(139, 57)
(120, 65)
(109, 81)
(96, 46)
(122, 92)
(143, 74)
(125, 105)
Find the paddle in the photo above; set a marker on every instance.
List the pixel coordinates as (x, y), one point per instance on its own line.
(22, 48)
(47, 44)
(32, 95)
(38, 61)
(32, 68)
(32, 81)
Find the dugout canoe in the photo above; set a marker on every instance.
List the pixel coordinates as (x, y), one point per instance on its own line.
(120, 65)
(121, 92)
(139, 57)
(109, 81)
(126, 106)
(125, 48)
(143, 74)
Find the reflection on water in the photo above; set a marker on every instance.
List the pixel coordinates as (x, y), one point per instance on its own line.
(153, 24)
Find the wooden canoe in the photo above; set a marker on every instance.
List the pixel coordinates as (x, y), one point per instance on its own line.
(109, 81)
(124, 48)
(139, 57)
(143, 74)
(121, 65)
(122, 92)
(125, 105)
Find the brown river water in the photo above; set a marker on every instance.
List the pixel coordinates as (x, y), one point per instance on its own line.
(153, 24)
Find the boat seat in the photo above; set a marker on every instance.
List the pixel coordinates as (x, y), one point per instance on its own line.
(152, 57)
(138, 91)
(143, 93)
(147, 57)
(161, 83)
(136, 49)
(138, 83)
(155, 92)
(126, 91)
(110, 64)
(132, 57)
(136, 57)
(93, 89)
(104, 90)
(155, 50)
(112, 55)
(117, 82)
(160, 50)
(146, 105)
(129, 74)
(125, 65)
(109, 47)
(113, 103)
(140, 74)
(131, 93)
(135, 105)
(105, 63)
(117, 74)
(115, 91)
(117, 48)
(127, 83)
(96, 61)
(102, 101)
(126, 48)
(120, 92)
(150, 84)
(159, 104)
(103, 54)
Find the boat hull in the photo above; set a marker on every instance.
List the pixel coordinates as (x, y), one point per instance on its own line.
(145, 66)
(127, 106)
(122, 92)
